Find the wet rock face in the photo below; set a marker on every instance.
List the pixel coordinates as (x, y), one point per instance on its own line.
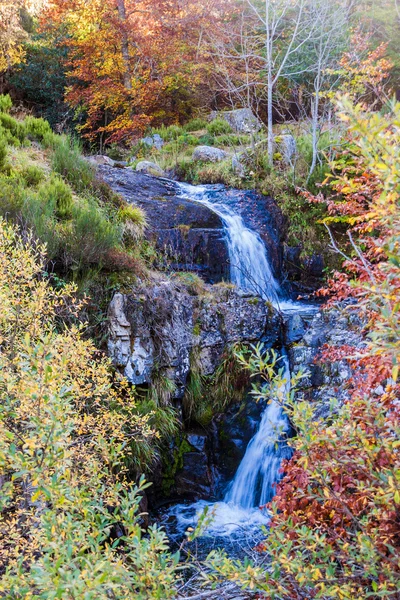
(163, 330)
(305, 336)
(165, 325)
(190, 236)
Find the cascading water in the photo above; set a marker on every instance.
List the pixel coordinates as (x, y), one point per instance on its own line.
(253, 484)
(254, 481)
(250, 268)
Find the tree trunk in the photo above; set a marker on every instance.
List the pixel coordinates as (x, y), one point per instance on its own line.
(315, 111)
(270, 123)
(125, 44)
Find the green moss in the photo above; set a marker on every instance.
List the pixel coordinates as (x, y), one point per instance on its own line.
(172, 467)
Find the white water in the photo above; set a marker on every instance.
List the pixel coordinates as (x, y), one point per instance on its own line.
(243, 508)
(254, 481)
(250, 269)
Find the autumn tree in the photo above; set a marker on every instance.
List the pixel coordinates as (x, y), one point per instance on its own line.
(131, 63)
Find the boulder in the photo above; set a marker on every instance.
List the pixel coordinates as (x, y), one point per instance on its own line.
(149, 168)
(238, 167)
(100, 159)
(209, 154)
(153, 141)
(242, 120)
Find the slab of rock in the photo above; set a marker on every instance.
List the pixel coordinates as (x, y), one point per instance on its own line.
(242, 120)
(190, 235)
(209, 154)
(167, 325)
(100, 159)
(149, 168)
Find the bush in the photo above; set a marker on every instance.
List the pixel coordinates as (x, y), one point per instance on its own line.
(195, 125)
(207, 140)
(58, 194)
(5, 103)
(12, 194)
(90, 235)
(218, 127)
(37, 128)
(59, 512)
(188, 140)
(168, 133)
(68, 161)
(32, 175)
(231, 139)
(16, 129)
(3, 152)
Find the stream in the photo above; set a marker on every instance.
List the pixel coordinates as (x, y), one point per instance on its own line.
(237, 517)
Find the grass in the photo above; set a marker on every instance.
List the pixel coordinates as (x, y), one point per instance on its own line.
(50, 189)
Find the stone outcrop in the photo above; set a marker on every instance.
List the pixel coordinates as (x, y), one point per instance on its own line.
(165, 325)
(305, 335)
(164, 330)
(190, 236)
(242, 120)
(209, 154)
(153, 141)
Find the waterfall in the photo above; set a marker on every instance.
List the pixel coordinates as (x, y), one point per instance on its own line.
(259, 471)
(250, 268)
(254, 481)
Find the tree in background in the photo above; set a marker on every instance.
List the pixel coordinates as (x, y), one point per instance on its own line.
(131, 63)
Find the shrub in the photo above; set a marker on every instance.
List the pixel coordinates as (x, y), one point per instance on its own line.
(37, 128)
(3, 152)
(219, 127)
(5, 103)
(168, 133)
(58, 194)
(65, 435)
(231, 139)
(90, 235)
(187, 139)
(207, 140)
(195, 125)
(12, 195)
(16, 129)
(32, 175)
(68, 161)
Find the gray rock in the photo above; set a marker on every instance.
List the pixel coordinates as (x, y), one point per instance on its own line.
(164, 323)
(190, 236)
(242, 120)
(238, 167)
(149, 168)
(209, 154)
(325, 381)
(100, 159)
(153, 141)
